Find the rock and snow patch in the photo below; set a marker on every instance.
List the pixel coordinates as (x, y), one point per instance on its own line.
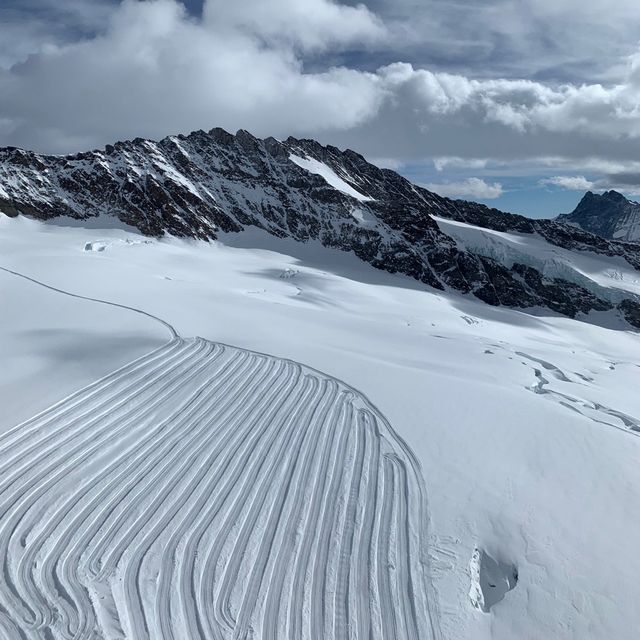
(101, 245)
(364, 217)
(491, 580)
(330, 176)
(98, 245)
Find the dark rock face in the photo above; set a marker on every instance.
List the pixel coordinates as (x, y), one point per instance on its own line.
(631, 311)
(609, 215)
(210, 182)
(564, 297)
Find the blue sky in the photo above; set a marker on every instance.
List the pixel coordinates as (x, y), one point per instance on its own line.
(521, 104)
(194, 6)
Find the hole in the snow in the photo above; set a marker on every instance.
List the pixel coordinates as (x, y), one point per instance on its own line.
(490, 580)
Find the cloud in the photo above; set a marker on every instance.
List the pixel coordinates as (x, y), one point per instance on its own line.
(449, 162)
(474, 188)
(156, 70)
(34, 26)
(626, 178)
(305, 24)
(545, 39)
(627, 182)
(387, 163)
(570, 183)
(520, 105)
(430, 116)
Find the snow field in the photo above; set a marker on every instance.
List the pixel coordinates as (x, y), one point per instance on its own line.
(533, 480)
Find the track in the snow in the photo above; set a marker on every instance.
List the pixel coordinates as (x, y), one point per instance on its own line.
(204, 491)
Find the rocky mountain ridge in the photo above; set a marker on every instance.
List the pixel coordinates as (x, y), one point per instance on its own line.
(609, 215)
(200, 184)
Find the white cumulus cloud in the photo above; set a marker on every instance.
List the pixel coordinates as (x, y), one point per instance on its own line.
(474, 188)
(570, 183)
(156, 70)
(308, 24)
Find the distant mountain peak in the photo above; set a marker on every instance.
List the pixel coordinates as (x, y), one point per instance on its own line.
(613, 195)
(609, 214)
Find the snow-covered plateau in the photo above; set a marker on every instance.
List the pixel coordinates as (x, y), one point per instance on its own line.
(255, 437)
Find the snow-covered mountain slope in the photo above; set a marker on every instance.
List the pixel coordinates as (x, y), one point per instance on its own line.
(609, 215)
(609, 278)
(209, 183)
(525, 428)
